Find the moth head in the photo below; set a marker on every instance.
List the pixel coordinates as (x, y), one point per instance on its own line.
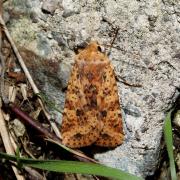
(93, 46)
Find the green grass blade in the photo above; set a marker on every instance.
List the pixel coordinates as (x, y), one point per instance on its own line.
(73, 167)
(169, 144)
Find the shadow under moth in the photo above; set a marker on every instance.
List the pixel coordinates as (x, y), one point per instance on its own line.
(92, 113)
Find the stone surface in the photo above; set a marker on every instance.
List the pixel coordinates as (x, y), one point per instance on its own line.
(145, 51)
(176, 119)
(18, 127)
(49, 6)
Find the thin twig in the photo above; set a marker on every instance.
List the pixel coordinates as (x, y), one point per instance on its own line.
(31, 171)
(2, 61)
(112, 41)
(1, 13)
(35, 124)
(28, 75)
(27, 150)
(21, 62)
(48, 135)
(5, 100)
(7, 143)
(3, 130)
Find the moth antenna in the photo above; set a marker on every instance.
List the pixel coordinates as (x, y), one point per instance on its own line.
(113, 40)
(116, 30)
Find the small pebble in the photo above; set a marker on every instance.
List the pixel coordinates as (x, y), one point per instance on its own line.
(49, 6)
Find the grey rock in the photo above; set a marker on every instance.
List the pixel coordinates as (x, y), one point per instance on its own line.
(20, 5)
(145, 51)
(24, 6)
(64, 74)
(18, 127)
(59, 38)
(176, 119)
(6, 16)
(67, 13)
(49, 6)
(132, 110)
(68, 8)
(43, 46)
(28, 8)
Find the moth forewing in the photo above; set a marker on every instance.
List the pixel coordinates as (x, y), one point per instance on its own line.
(92, 110)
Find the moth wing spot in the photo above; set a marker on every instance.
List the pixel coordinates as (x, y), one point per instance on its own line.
(104, 113)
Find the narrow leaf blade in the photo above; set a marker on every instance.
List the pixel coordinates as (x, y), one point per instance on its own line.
(169, 144)
(73, 167)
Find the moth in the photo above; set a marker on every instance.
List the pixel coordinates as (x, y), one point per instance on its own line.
(92, 113)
